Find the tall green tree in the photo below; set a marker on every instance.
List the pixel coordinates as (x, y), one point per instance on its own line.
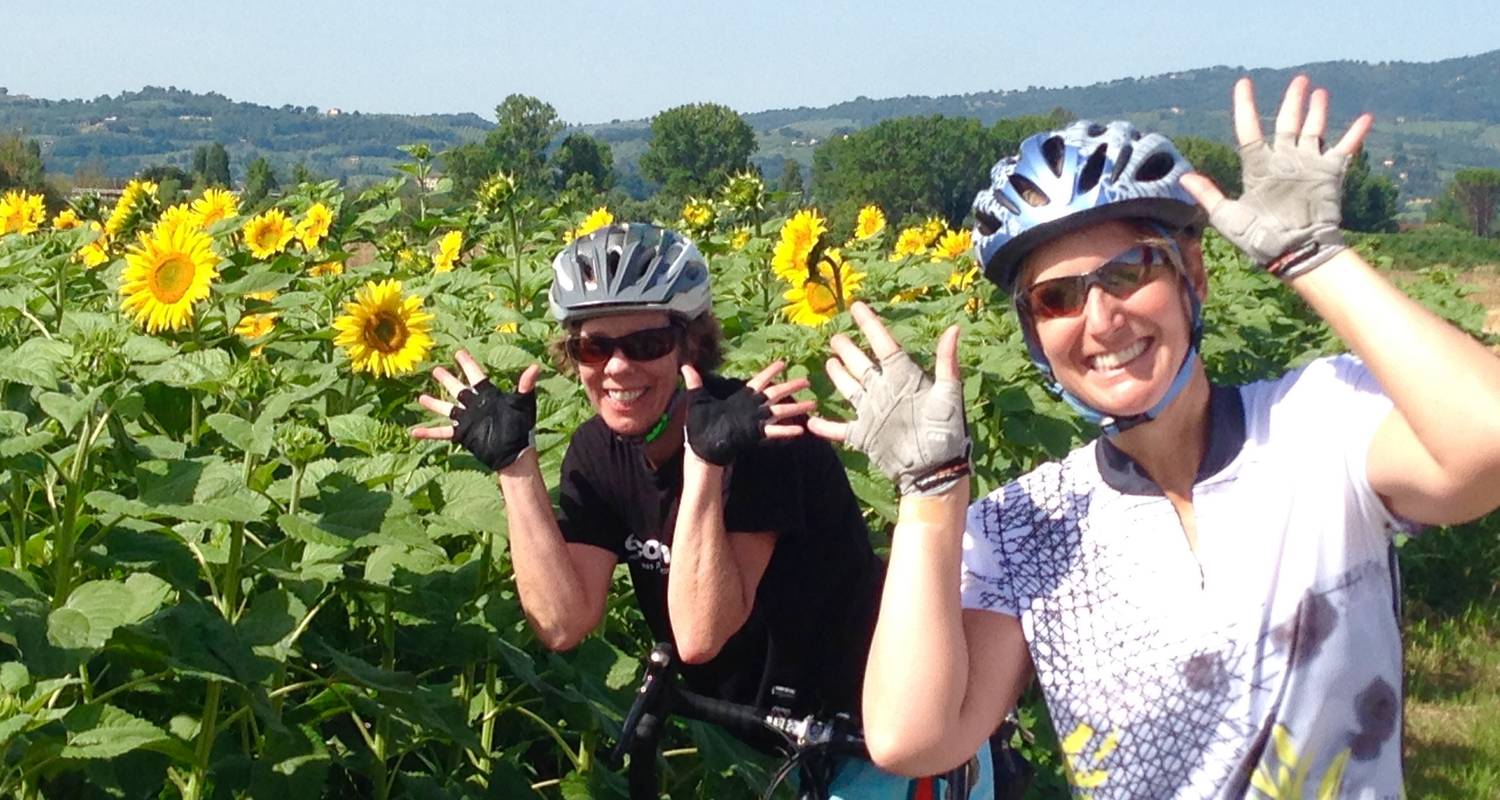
(21, 164)
(524, 127)
(582, 155)
(216, 167)
(792, 182)
(211, 166)
(1217, 160)
(916, 165)
(260, 181)
(1477, 193)
(695, 147)
(1369, 202)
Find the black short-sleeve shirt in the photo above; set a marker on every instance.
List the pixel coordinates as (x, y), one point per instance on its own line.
(815, 605)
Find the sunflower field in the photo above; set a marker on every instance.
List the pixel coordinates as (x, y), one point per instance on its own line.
(226, 568)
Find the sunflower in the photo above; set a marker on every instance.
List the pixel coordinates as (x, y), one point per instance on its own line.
(265, 296)
(326, 268)
(962, 279)
(911, 242)
(932, 229)
(178, 216)
(815, 301)
(953, 246)
(598, 218)
(95, 253)
(744, 192)
(165, 273)
(740, 239)
(215, 205)
(383, 331)
(799, 236)
(314, 226)
(21, 212)
(697, 215)
(268, 234)
(496, 193)
(870, 223)
(448, 249)
(135, 201)
(66, 220)
(909, 295)
(254, 326)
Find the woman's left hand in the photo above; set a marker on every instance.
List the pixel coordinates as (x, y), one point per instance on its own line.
(724, 423)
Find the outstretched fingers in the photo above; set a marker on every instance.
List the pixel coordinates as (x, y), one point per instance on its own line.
(690, 378)
(450, 383)
(828, 429)
(1317, 121)
(882, 344)
(846, 383)
(1354, 138)
(1289, 117)
(762, 379)
(526, 384)
(1246, 118)
(473, 373)
(1204, 190)
(946, 368)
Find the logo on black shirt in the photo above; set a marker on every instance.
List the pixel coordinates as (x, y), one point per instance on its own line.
(650, 554)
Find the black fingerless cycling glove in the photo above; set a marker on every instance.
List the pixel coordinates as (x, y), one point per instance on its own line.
(493, 425)
(724, 420)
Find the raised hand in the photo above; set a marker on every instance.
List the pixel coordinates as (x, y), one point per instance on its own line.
(724, 422)
(1288, 218)
(495, 426)
(910, 425)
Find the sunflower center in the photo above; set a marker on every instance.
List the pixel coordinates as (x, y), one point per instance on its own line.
(820, 298)
(386, 332)
(172, 278)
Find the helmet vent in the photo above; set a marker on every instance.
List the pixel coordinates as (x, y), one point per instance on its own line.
(988, 224)
(1092, 169)
(638, 268)
(1052, 150)
(586, 271)
(1029, 191)
(1006, 202)
(1121, 161)
(1096, 130)
(1156, 167)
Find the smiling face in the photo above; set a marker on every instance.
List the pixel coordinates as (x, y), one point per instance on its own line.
(630, 395)
(1119, 354)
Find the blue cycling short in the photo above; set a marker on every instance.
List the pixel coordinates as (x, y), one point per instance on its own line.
(858, 779)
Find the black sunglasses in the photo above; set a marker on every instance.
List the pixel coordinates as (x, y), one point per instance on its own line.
(647, 345)
(1120, 276)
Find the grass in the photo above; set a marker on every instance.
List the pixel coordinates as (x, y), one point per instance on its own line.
(1453, 704)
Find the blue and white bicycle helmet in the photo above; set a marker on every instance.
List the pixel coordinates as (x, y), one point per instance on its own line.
(1064, 180)
(629, 267)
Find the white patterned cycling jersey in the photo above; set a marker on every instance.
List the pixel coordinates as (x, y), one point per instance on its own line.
(1265, 664)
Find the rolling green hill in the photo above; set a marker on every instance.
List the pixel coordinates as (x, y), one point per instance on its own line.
(1432, 119)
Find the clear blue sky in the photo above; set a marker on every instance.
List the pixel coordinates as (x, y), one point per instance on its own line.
(595, 62)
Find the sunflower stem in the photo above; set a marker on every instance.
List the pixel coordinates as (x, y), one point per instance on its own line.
(62, 266)
(515, 241)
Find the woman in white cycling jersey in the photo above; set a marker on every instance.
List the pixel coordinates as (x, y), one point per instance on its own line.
(1207, 592)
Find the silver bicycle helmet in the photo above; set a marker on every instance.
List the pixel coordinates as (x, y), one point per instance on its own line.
(1066, 179)
(629, 267)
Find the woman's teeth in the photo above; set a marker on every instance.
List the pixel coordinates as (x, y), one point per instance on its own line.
(624, 395)
(1119, 357)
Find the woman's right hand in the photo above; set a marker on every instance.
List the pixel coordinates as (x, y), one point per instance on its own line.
(910, 425)
(493, 425)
